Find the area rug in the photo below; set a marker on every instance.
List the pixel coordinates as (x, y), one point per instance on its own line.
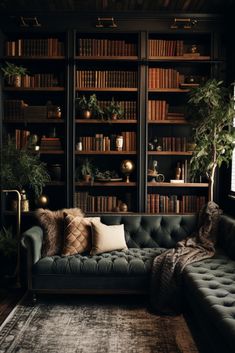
(86, 325)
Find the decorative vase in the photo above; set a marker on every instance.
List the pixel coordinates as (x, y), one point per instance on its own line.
(86, 114)
(42, 201)
(17, 81)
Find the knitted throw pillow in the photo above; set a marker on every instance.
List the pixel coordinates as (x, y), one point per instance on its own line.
(52, 223)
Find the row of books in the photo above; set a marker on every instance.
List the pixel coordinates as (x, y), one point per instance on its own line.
(159, 77)
(128, 108)
(89, 203)
(182, 170)
(174, 204)
(105, 47)
(99, 142)
(40, 80)
(159, 110)
(21, 138)
(50, 143)
(106, 78)
(172, 143)
(161, 47)
(35, 47)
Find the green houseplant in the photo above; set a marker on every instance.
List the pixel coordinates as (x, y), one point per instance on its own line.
(113, 111)
(12, 73)
(8, 251)
(211, 111)
(22, 169)
(85, 170)
(89, 107)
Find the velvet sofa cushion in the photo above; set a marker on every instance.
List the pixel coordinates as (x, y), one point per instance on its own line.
(115, 263)
(210, 289)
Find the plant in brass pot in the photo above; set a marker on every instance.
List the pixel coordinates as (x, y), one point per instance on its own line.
(211, 112)
(88, 107)
(113, 111)
(22, 169)
(13, 73)
(85, 170)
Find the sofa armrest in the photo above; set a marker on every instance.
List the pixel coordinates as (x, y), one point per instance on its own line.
(32, 241)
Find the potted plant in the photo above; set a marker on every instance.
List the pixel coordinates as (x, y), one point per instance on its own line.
(8, 251)
(22, 169)
(85, 169)
(89, 107)
(12, 73)
(211, 111)
(113, 111)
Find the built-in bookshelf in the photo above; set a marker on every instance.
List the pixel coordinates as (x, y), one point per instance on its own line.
(148, 73)
(35, 112)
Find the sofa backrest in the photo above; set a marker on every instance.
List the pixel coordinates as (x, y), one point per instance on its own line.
(150, 231)
(226, 235)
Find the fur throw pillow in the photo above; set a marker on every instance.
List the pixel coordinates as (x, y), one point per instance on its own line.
(52, 223)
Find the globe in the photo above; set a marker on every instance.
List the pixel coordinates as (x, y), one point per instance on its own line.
(127, 167)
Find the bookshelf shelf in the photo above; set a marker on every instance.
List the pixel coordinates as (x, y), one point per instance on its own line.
(106, 184)
(34, 121)
(180, 58)
(36, 57)
(178, 185)
(170, 153)
(105, 122)
(105, 153)
(34, 89)
(169, 122)
(168, 90)
(108, 58)
(107, 89)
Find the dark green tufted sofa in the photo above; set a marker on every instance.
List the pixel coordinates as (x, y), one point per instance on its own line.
(208, 286)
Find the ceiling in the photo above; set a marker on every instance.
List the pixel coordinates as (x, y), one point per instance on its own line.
(196, 6)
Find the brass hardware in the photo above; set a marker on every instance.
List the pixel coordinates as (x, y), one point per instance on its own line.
(105, 22)
(185, 23)
(29, 22)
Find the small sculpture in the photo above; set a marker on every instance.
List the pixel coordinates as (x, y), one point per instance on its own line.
(127, 167)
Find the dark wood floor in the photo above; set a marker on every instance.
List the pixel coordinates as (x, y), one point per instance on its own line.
(9, 297)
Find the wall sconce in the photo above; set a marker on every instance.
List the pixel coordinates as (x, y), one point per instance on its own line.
(29, 22)
(185, 23)
(105, 22)
(18, 227)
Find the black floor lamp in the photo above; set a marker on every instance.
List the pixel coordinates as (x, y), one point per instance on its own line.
(18, 228)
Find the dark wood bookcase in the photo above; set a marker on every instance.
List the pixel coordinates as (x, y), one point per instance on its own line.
(143, 64)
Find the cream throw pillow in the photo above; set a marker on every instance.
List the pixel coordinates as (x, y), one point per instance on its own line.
(107, 238)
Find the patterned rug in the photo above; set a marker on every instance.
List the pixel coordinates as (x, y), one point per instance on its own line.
(92, 325)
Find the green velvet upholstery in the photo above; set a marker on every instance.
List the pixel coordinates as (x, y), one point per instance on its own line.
(208, 286)
(32, 240)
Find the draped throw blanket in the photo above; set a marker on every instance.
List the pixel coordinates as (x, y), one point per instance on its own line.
(165, 296)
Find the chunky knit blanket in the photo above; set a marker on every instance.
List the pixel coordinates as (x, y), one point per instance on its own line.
(165, 296)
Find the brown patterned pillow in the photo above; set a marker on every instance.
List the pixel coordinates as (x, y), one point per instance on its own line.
(77, 234)
(52, 223)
